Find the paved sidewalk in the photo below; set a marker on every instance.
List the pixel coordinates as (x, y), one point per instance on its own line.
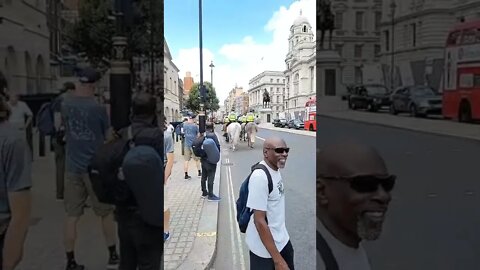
(193, 222)
(294, 131)
(44, 249)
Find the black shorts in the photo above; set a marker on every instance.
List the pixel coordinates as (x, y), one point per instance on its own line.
(259, 263)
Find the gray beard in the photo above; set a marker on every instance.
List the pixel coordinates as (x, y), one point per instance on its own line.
(367, 229)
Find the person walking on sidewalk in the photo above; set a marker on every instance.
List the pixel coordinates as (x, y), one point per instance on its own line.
(353, 193)
(58, 140)
(211, 146)
(141, 243)
(87, 126)
(15, 198)
(268, 241)
(191, 132)
(168, 146)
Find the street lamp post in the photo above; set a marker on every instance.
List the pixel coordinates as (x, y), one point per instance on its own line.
(120, 90)
(201, 115)
(393, 6)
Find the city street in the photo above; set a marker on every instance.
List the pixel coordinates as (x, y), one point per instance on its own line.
(298, 175)
(433, 218)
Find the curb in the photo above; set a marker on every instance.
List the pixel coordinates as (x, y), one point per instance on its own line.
(292, 131)
(363, 121)
(204, 249)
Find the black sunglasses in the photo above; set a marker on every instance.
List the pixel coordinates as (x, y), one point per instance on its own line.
(280, 150)
(368, 183)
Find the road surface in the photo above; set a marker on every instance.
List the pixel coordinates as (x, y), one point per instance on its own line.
(433, 220)
(298, 175)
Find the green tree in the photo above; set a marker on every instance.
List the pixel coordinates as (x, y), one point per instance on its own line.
(212, 102)
(92, 34)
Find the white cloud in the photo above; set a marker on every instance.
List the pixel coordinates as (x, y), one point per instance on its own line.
(240, 62)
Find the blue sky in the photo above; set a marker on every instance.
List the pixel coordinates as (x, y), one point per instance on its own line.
(243, 38)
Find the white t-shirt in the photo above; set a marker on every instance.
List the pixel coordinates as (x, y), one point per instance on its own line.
(273, 204)
(348, 258)
(19, 111)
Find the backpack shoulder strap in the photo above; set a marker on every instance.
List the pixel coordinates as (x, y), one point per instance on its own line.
(269, 177)
(326, 253)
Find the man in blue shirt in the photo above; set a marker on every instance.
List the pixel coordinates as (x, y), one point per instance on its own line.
(86, 128)
(191, 132)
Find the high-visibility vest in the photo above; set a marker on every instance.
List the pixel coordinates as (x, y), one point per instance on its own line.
(250, 117)
(226, 119)
(232, 117)
(244, 119)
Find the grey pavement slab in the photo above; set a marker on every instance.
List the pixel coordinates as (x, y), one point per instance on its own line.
(44, 249)
(193, 224)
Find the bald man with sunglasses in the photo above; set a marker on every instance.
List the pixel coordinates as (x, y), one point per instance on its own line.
(353, 194)
(267, 236)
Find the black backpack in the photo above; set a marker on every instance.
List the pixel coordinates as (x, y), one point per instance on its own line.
(105, 173)
(326, 253)
(197, 147)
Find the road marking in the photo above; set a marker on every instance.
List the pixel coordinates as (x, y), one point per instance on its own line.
(232, 239)
(206, 234)
(260, 138)
(237, 230)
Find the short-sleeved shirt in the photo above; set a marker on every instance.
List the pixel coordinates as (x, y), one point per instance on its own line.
(347, 258)
(190, 130)
(273, 204)
(18, 114)
(15, 168)
(168, 144)
(86, 124)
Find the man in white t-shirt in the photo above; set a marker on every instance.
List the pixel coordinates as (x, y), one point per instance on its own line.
(21, 116)
(267, 236)
(353, 193)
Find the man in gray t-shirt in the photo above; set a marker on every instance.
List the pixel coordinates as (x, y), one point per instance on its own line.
(86, 128)
(191, 132)
(15, 195)
(168, 146)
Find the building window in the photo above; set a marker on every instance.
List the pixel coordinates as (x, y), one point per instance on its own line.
(278, 99)
(378, 20)
(278, 80)
(278, 90)
(312, 77)
(339, 20)
(283, 80)
(304, 28)
(414, 34)
(359, 20)
(339, 49)
(377, 49)
(358, 51)
(358, 75)
(271, 80)
(271, 89)
(387, 40)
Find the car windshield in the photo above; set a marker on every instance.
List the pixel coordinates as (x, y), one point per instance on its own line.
(423, 92)
(374, 89)
(296, 121)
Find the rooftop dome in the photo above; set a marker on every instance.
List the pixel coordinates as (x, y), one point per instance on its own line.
(301, 20)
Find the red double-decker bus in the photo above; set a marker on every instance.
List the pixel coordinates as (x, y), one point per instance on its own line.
(461, 80)
(310, 122)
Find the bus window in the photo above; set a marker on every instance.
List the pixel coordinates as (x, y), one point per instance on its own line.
(466, 81)
(476, 80)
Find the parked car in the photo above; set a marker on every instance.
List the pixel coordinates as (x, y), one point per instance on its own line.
(295, 123)
(276, 122)
(371, 97)
(282, 123)
(418, 100)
